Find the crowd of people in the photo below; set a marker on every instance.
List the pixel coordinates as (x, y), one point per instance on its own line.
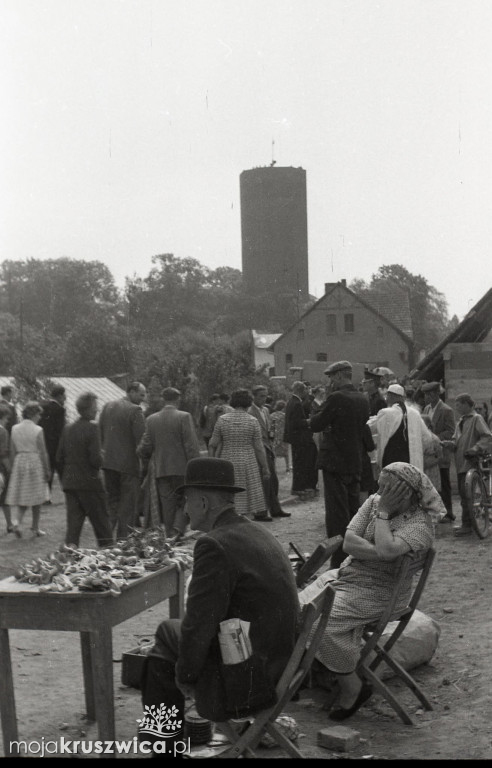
(384, 452)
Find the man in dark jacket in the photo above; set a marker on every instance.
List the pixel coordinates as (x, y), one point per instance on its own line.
(304, 451)
(7, 398)
(52, 421)
(122, 425)
(79, 460)
(342, 421)
(240, 571)
(443, 425)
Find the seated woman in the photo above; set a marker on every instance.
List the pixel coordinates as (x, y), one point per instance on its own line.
(398, 519)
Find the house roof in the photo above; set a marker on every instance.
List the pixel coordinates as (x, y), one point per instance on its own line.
(473, 329)
(105, 390)
(264, 340)
(393, 302)
(329, 288)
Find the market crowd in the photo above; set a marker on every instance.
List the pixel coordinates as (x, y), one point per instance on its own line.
(384, 451)
(126, 469)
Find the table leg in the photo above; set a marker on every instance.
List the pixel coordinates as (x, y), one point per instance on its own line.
(7, 700)
(101, 646)
(176, 602)
(85, 645)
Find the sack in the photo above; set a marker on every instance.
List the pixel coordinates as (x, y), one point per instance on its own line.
(248, 686)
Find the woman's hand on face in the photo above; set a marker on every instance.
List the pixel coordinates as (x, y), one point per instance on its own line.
(393, 496)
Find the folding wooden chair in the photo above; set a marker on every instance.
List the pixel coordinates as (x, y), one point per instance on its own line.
(295, 671)
(410, 564)
(319, 557)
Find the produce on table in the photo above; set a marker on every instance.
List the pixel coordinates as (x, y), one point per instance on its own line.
(71, 568)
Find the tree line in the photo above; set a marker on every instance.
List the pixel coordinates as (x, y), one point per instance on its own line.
(183, 324)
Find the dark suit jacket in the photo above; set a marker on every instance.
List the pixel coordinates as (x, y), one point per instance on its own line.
(296, 430)
(342, 421)
(79, 457)
(443, 424)
(262, 415)
(121, 425)
(13, 418)
(169, 435)
(239, 571)
(52, 421)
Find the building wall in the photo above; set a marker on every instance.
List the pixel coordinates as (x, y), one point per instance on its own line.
(372, 341)
(468, 368)
(274, 231)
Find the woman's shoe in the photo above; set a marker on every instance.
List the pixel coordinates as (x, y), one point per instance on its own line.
(38, 532)
(365, 694)
(17, 531)
(10, 529)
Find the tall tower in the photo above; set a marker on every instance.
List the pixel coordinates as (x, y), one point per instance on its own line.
(274, 231)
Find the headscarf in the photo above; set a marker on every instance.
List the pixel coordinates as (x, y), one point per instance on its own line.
(429, 499)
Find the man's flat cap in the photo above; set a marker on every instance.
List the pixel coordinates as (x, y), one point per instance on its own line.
(431, 386)
(341, 365)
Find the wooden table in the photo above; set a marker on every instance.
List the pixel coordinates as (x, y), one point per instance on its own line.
(93, 614)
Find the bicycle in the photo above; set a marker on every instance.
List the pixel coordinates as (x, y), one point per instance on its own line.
(478, 491)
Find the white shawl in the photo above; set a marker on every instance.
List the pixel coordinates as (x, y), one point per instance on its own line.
(387, 422)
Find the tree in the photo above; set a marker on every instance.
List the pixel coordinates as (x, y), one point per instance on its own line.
(98, 346)
(55, 294)
(428, 307)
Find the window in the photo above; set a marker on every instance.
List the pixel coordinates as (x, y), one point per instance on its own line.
(288, 358)
(321, 357)
(331, 324)
(300, 334)
(349, 323)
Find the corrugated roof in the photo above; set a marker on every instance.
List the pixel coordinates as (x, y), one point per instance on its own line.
(105, 390)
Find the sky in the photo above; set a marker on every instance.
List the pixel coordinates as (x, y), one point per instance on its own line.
(126, 124)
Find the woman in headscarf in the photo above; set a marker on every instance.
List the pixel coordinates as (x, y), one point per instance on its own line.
(398, 519)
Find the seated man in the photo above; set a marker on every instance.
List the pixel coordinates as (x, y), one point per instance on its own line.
(240, 571)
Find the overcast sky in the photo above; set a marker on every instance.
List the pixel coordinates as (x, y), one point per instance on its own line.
(126, 124)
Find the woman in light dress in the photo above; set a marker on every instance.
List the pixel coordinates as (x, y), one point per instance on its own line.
(237, 438)
(28, 483)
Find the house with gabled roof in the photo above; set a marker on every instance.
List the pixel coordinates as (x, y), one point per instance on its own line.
(342, 325)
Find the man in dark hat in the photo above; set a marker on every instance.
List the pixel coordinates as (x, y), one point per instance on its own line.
(371, 384)
(443, 425)
(342, 420)
(240, 571)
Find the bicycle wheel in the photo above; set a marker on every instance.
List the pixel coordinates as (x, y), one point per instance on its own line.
(478, 503)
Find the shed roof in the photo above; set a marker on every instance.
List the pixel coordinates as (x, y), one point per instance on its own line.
(473, 329)
(104, 388)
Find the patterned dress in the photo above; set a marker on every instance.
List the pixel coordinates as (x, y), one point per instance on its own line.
(28, 486)
(363, 587)
(235, 436)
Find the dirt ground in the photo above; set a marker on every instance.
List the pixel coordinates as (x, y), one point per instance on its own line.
(48, 672)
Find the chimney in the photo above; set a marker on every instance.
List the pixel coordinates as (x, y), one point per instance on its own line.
(343, 282)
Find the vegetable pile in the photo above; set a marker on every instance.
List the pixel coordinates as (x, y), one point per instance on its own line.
(74, 568)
